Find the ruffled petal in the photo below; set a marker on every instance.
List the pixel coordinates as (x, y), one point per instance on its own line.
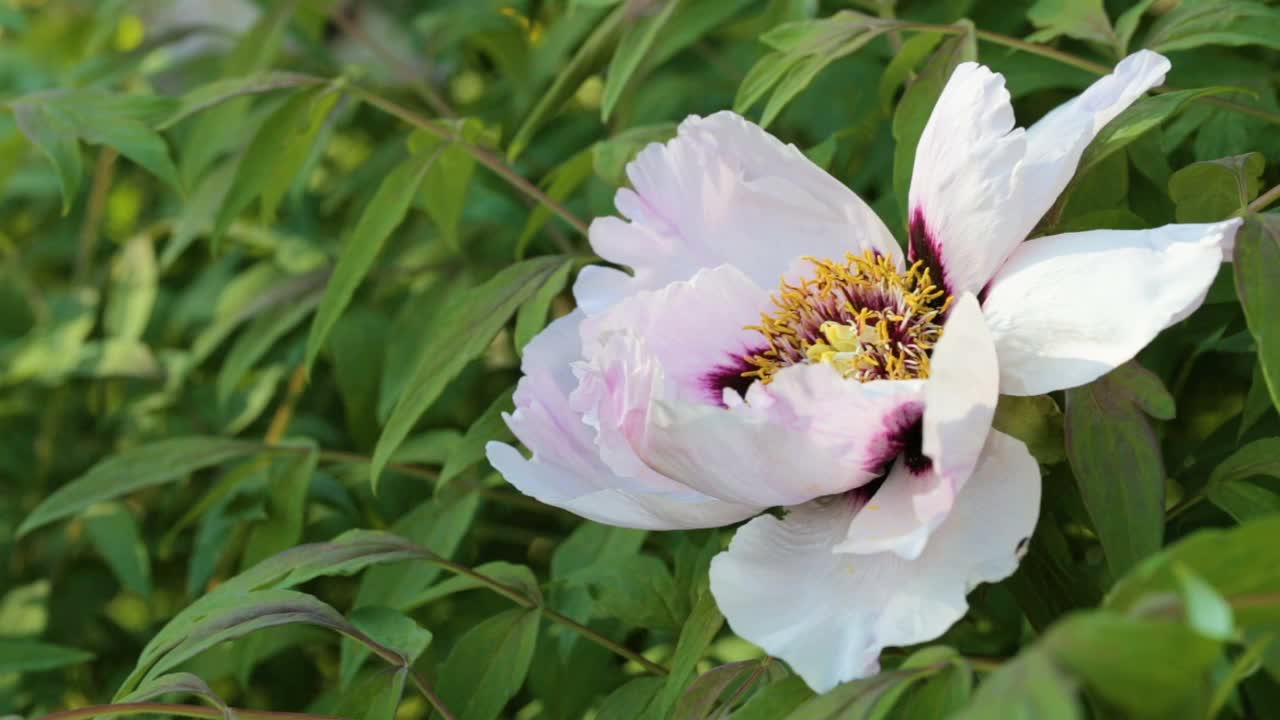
(694, 329)
(566, 469)
(960, 401)
(830, 614)
(726, 192)
(980, 186)
(1066, 309)
(808, 433)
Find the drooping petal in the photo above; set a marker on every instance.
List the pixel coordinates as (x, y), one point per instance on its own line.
(808, 433)
(960, 400)
(1066, 309)
(962, 222)
(979, 186)
(725, 191)
(830, 614)
(566, 469)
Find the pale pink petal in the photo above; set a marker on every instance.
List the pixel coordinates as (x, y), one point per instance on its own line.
(566, 469)
(1066, 309)
(726, 192)
(980, 186)
(960, 400)
(807, 434)
(694, 329)
(828, 614)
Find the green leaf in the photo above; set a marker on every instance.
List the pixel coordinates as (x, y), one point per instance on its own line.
(56, 137)
(1221, 22)
(588, 59)
(914, 50)
(179, 683)
(862, 699)
(488, 427)
(532, 316)
(1081, 19)
(132, 291)
(631, 701)
(385, 211)
(805, 49)
(1139, 118)
(24, 656)
(637, 43)
(517, 577)
(1228, 560)
(1117, 463)
(917, 103)
(776, 700)
(1204, 609)
(448, 176)
(1126, 660)
(487, 666)
(704, 693)
(1144, 388)
(1028, 688)
(114, 533)
(224, 89)
(559, 184)
(437, 525)
(392, 629)
(700, 628)
(1242, 500)
(1216, 189)
(286, 504)
(462, 331)
(637, 590)
(274, 156)
(1260, 457)
(1035, 420)
(257, 339)
(134, 469)
(233, 617)
(1127, 24)
(1257, 272)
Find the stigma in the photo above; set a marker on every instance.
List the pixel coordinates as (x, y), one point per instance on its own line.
(863, 316)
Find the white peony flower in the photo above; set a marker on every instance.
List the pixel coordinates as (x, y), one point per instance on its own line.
(772, 348)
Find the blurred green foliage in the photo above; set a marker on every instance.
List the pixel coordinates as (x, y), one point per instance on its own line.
(265, 276)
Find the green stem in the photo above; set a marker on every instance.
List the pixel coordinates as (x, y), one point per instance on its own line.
(192, 711)
(482, 156)
(1264, 200)
(525, 601)
(431, 696)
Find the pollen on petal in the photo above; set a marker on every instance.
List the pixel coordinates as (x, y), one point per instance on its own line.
(863, 316)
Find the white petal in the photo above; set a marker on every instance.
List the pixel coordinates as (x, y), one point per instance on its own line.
(961, 217)
(1056, 142)
(807, 434)
(979, 186)
(566, 469)
(830, 614)
(1066, 309)
(960, 400)
(725, 191)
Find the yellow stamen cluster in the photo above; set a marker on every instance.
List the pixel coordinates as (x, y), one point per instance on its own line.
(862, 316)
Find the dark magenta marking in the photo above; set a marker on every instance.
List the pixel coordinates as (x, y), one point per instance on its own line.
(729, 375)
(922, 244)
(894, 437)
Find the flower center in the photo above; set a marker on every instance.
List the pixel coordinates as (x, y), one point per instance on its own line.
(862, 316)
